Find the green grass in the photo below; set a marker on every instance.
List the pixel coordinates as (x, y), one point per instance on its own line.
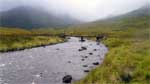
(128, 59)
(18, 39)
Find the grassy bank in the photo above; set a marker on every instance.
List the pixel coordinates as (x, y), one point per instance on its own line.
(18, 39)
(128, 59)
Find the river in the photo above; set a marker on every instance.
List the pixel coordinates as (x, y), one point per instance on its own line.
(49, 64)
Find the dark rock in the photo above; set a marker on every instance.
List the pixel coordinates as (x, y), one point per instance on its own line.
(68, 38)
(85, 56)
(67, 79)
(90, 53)
(86, 71)
(41, 74)
(82, 59)
(95, 49)
(83, 48)
(96, 63)
(98, 43)
(69, 61)
(85, 65)
(80, 50)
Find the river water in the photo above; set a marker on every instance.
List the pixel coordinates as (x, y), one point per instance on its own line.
(49, 64)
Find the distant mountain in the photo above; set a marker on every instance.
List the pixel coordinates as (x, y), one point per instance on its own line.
(140, 12)
(139, 18)
(28, 17)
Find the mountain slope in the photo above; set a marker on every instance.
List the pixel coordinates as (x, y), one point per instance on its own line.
(128, 59)
(139, 18)
(27, 17)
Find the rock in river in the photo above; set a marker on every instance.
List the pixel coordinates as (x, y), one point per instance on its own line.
(96, 63)
(67, 79)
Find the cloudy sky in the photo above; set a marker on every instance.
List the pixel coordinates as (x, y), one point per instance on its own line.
(86, 10)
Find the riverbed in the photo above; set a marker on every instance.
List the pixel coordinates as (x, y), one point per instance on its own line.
(49, 64)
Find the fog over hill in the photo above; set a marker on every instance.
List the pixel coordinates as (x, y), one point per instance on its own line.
(29, 17)
(85, 10)
(61, 13)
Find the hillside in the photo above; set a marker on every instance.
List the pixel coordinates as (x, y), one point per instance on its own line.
(128, 38)
(139, 18)
(28, 17)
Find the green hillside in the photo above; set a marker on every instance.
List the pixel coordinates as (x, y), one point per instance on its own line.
(128, 58)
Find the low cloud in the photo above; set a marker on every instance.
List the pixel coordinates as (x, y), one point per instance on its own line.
(86, 10)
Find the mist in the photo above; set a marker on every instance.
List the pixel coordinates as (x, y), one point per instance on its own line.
(84, 10)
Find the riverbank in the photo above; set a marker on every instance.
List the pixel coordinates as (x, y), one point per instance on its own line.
(17, 43)
(126, 62)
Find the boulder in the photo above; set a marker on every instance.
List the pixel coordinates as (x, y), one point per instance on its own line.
(67, 79)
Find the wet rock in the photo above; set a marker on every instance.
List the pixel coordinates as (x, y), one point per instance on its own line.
(98, 43)
(96, 63)
(69, 61)
(67, 79)
(83, 48)
(95, 49)
(80, 50)
(85, 65)
(90, 53)
(86, 70)
(82, 59)
(68, 38)
(85, 56)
